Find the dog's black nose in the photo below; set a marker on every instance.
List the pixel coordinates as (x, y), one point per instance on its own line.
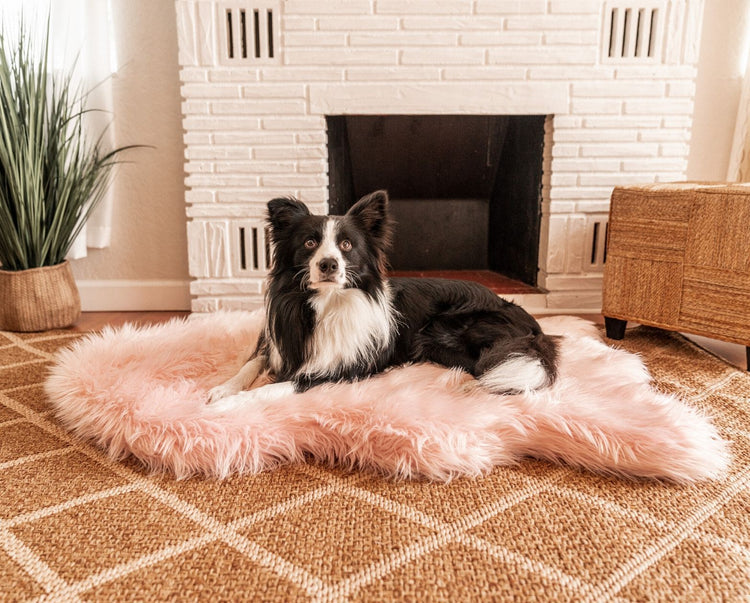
(328, 266)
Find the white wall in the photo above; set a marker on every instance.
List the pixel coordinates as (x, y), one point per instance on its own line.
(723, 56)
(146, 265)
(145, 268)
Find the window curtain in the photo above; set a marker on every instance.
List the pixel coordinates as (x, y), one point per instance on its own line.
(81, 41)
(739, 158)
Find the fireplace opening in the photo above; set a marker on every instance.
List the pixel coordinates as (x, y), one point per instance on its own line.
(465, 190)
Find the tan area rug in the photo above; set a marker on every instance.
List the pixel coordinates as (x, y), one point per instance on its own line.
(76, 526)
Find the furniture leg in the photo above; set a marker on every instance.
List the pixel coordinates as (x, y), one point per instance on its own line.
(615, 327)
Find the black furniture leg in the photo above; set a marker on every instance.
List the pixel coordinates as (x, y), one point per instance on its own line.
(615, 327)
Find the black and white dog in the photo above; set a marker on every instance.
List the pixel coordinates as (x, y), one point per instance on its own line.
(333, 314)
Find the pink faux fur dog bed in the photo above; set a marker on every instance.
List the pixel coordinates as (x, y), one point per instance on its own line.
(142, 391)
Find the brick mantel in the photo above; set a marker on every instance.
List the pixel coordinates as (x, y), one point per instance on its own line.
(619, 100)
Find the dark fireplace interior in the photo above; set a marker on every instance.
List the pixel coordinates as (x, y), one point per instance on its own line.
(465, 189)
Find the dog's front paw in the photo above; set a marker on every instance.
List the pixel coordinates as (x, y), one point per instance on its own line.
(222, 391)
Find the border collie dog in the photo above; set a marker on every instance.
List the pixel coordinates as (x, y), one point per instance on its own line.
(333, 315)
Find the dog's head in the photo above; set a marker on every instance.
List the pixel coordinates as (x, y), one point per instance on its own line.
(317, 252)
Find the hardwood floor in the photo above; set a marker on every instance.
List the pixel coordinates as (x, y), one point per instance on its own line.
(93, 321)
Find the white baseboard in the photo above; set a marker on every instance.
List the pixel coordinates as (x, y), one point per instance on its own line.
(133, 296)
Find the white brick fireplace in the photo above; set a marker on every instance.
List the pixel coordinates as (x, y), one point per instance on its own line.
(615, 80)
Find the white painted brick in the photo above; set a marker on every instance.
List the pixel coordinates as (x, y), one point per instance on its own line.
(619, 179)
(240, 198)
(639, 122)
(208, 249)
(660, 106)
(656, 71)
(511, 7)
(199, 197)
(563, 179)
(500, 38)
(197, 138)
(255, 167)
(253, 137)
(677, 121)
(216, 152)
(442, 56)
(577, 193)
(635, 149)
(234, 74)
(340, 56)
(617, 89)
(402, 38)
(600, 106)
(288, 73)
(214, 180)
(322, 7)
(191, 107)
(593, 207)
(570, 73)
(568, 121)
(316, 39)
(213, 123)
(424, 7)
(198, 167)
(565, 150)
(675, 149)
(558, 232)
(210, 91)
(193, 74)
(560, 207)
(581, 7)
(660, 164)
(294, 180)
(570, 37)
(400, 73)
(352, 23)
(259, 107)
(293, 124)
(664, 135)
(480, 73)
(670, 177)
(263, 90)
(310, 166)
(297, 23)
(293, 152)
(452, 22)
(307, 138)
(586, 165)
(231, 286)
(553, 22)
(541, 55)
(592, 135)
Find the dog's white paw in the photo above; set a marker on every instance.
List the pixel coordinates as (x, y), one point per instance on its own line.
(228, 403)
(225, 390)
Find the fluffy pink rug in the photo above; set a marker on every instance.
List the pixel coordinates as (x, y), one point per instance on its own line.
(141, 391)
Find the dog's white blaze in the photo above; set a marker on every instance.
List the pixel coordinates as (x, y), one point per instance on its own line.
(328, 248)
(350, 328)
(517, 373)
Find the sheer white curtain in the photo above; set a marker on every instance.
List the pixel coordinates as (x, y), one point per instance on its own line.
(82, 35)
(739, 159)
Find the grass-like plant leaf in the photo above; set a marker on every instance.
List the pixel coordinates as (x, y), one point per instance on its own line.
(51, 175)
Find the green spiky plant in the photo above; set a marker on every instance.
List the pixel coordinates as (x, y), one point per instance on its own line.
(51, 176)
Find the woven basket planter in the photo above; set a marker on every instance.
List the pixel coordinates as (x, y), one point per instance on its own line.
(38, 299)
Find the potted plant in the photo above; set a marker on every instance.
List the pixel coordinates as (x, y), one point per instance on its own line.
(51, 178)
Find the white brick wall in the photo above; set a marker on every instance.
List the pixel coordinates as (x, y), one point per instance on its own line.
(257, 130)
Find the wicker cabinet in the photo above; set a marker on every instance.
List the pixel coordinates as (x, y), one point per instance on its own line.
(678, 257)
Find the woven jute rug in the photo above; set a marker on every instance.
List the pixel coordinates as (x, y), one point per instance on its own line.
(75, 525)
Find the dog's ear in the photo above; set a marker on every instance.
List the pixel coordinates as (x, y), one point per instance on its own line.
(372, 212)
(283, 211)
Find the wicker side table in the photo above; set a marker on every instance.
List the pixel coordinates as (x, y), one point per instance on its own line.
(678, 258)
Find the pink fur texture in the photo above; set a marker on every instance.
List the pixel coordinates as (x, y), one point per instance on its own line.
(142, 391)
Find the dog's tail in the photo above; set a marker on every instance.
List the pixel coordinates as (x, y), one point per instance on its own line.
(520, 364)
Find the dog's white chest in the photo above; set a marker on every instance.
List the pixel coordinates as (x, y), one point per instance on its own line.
(350, 328)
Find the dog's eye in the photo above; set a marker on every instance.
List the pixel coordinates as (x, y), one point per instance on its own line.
(345, 245)
(311, 243)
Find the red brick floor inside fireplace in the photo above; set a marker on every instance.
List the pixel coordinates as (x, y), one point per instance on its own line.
(502, 285)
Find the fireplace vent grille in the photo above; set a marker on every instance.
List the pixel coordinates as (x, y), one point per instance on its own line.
(595, 251)
(248, 32)
(251, 254)
(633, 32)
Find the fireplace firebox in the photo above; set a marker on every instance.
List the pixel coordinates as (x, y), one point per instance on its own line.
(465, 189)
